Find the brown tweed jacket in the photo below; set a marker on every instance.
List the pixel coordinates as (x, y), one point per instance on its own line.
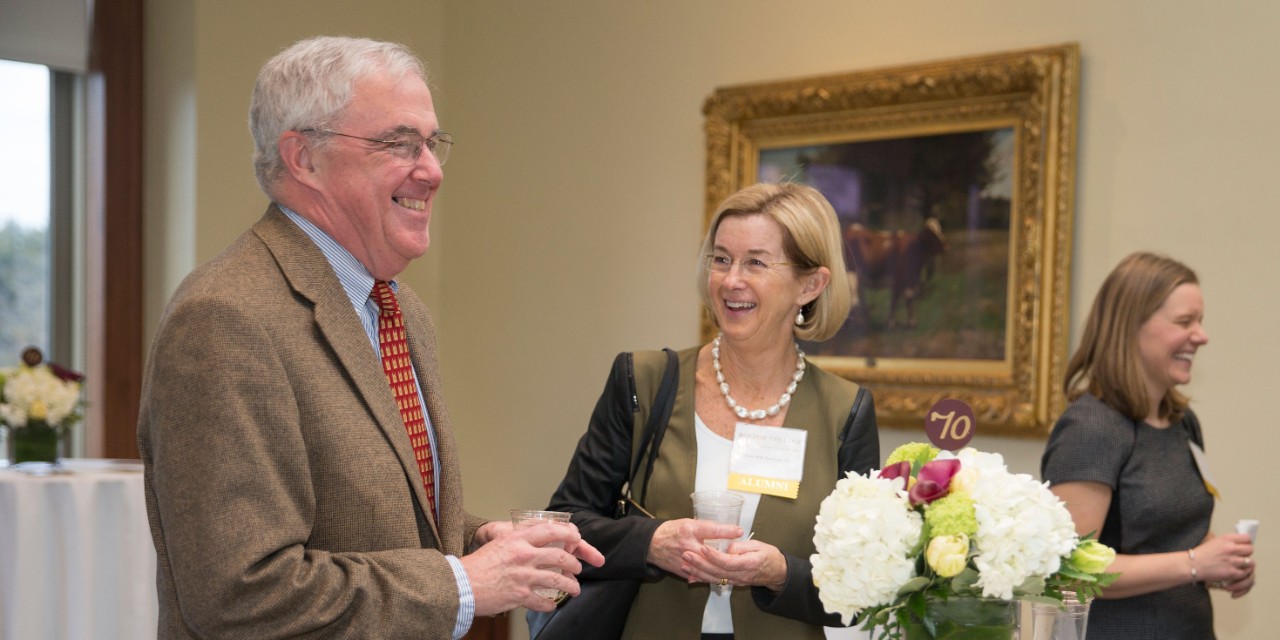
(281, 487)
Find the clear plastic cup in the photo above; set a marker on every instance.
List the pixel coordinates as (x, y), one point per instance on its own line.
(1250, 527)
(718, 506)
(524, 518)
(1069, 622)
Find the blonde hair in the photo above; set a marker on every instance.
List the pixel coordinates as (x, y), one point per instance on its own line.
(810, 238)
(1107, 364)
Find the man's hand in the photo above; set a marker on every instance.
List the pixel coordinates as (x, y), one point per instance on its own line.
(490, 531)
(511, 564)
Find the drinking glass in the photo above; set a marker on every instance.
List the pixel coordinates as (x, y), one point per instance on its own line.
(718, 506)
(524, 518)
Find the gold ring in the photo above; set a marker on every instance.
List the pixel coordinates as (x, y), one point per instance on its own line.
(1248, 561)
(724, 582)
(561, 596)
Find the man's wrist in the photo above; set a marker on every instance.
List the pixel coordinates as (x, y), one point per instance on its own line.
(466, 598)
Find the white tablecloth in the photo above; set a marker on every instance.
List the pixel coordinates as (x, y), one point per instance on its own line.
(76, 558)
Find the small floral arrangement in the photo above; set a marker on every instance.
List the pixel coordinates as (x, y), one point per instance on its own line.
(39, 396)
(936, 525)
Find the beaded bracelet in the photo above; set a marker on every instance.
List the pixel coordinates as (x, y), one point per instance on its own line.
(1191, 554)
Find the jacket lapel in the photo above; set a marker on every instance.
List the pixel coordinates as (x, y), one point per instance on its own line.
(311, 276)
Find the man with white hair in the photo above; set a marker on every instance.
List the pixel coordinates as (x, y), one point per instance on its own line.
(301, 474)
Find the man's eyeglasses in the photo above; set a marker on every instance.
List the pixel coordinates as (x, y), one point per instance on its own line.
(405, 146)
(750, 267)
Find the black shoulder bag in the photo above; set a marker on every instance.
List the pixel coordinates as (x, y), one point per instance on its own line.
(600, 611)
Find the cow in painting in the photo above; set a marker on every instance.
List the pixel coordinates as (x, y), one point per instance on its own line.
(895, 260)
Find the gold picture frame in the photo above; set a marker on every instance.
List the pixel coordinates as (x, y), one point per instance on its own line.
(1023, 102)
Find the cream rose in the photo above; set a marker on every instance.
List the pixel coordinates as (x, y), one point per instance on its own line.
(947, 555)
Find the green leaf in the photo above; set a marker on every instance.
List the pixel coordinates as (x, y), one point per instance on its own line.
(965, 580)
(916, 584)
(1032, 585)
(1076, 575)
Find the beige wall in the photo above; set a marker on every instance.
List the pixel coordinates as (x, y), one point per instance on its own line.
(202, 57)
(572, 211)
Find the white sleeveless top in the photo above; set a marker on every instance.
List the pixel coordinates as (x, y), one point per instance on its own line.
(713, 475)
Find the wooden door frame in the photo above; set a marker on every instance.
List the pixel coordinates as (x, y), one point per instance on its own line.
(113, 255)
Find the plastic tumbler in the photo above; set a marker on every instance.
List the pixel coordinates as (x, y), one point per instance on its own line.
(718, 506)
(522, 519)
(1069, 622)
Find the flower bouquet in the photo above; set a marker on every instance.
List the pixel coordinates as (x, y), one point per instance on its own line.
(933, 531)
(39, 403)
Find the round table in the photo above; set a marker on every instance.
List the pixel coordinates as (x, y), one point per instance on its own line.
(76, 558)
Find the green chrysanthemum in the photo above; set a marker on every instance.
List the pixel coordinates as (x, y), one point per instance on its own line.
(918, 453)
(952, 515)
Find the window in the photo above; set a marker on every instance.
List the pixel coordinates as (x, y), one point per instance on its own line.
(25, 247)
(95, 216)
(41, 250)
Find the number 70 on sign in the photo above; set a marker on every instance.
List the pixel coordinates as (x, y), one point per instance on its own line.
(950, 424)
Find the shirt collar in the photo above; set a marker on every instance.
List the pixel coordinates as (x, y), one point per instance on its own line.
(355, 278)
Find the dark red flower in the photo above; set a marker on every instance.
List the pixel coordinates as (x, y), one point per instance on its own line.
(64, 374)
(896, 470)
(933, 481)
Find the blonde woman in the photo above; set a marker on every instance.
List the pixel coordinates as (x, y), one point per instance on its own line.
(771, 272)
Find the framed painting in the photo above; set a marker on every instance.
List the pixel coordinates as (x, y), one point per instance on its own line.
(954, 185)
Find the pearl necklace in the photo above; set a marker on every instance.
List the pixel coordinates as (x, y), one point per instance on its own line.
(756, 414)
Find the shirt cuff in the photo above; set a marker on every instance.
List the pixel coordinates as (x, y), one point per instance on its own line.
(466, 599)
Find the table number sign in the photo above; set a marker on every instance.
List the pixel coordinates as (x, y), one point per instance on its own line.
(950, 424)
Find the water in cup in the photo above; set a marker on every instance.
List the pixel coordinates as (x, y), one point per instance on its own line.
(522, 519)
(718, 506)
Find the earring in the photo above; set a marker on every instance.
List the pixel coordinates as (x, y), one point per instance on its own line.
(800, 318)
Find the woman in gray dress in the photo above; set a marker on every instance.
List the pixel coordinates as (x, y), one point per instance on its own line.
(1126, 457)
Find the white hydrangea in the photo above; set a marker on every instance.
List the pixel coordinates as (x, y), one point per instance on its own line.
(864, 531)
(12, 415)
(25, 387)
(1023, 529)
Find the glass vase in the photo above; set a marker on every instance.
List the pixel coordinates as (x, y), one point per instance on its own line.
(965, 618)
(38, 441)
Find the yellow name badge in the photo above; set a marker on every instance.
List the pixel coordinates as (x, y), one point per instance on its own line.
(771, 486)
(767, 460)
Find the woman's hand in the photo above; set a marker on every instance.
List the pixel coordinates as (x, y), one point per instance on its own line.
(1237, 588)
(674, 538)
(748, 563)
(1226, 562)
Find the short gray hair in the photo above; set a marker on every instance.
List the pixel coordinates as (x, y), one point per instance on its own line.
(310, 84)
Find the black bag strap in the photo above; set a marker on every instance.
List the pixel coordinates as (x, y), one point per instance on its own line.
(655, 428)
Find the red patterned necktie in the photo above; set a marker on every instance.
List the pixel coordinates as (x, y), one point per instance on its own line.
(399, 370)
